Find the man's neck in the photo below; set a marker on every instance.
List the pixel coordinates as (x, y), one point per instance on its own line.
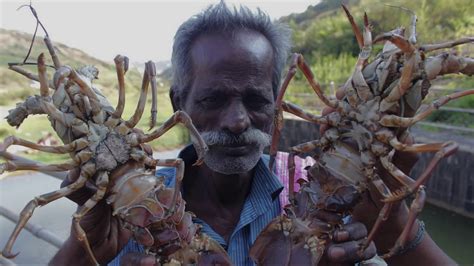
(225, 190)
(216, 198)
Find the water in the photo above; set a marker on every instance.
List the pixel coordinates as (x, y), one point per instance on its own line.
(452, 232)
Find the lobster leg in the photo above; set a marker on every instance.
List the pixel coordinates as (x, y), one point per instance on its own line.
(383, 216)
(432, 47)
(398, 174)
(76, 145)
(291, 177)
(447, 63)
(183, 118)
(384, 212)
(10, 166)
(415, 208)
(314, 84)
(149, 74)
(28, 74)
(296, 110)
(330, 136)
(67, 71)
(43, 77)
(278, 115)
(42, 200)
(307, 146)
(397, 121)
(425, 147)
(52, 52)
(411, 58)
(68, 120)
(448, 148)
(121, 66)
(87, 105)
(102, 182)
(154, 91)
(358, 80)
(355, 28)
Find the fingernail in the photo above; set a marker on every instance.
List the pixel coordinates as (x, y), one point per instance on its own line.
(342, 235)
(149, 261)
(337, 252)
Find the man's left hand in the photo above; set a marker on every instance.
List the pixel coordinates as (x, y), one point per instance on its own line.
(344, 250)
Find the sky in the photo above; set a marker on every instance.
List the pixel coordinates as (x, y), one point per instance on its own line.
(142, 30)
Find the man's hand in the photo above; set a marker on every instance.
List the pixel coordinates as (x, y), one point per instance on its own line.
(346, 246)
(104, 231)
(427, 253)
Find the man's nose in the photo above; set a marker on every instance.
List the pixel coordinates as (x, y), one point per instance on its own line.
(235, 118)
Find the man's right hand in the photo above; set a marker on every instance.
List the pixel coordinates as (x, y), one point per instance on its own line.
(105, 233)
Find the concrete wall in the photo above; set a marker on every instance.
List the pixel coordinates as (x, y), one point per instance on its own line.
(451, 185)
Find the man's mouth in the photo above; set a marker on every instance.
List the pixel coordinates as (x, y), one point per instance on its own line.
(234, 150)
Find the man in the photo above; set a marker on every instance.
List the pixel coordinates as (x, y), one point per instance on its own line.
(227, 68)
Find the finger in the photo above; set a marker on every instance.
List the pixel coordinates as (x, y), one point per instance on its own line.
(167, 241)
(351, 231)
(348, 252)
(327, 216)
(213, 258)
(165, 236)
(137, 259)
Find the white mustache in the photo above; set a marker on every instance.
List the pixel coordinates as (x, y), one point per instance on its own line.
(250, 136)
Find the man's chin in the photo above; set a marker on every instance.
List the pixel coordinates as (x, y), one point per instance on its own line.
(230, 161)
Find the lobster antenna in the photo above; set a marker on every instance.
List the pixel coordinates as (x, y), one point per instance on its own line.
(38, 23)
(414, 19)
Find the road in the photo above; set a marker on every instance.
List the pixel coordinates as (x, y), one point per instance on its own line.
(16, 191)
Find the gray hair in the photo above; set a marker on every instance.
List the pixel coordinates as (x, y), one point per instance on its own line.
(219, 18)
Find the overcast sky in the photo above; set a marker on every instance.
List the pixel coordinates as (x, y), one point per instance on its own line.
(142, 30)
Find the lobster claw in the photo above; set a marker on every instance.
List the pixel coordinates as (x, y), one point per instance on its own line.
(272, 246)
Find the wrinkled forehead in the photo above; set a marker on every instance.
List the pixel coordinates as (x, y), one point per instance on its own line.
(242, 48)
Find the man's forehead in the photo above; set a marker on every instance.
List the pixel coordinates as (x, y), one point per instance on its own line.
(214, 49)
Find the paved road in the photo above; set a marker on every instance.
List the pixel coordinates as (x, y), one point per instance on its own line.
(16, 191)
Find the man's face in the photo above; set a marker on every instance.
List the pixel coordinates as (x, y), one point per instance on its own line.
(230, 99)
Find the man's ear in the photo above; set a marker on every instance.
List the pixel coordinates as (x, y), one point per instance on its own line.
(174, 97)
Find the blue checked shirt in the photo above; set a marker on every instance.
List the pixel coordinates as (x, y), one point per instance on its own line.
(260, 207)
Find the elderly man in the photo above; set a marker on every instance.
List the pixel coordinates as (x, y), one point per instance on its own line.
(227, 68)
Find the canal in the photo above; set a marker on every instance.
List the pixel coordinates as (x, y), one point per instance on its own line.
(452, 232)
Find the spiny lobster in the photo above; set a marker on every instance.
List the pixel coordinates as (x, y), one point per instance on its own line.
(374, 107)
(111, 153)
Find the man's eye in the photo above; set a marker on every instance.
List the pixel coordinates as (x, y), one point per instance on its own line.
(256, 102)
(210, 102)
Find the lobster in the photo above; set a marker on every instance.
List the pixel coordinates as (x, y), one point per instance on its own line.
(110, 152)
(366, 126)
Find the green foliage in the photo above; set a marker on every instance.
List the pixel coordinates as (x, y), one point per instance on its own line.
(331, 68)
(325, 38)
